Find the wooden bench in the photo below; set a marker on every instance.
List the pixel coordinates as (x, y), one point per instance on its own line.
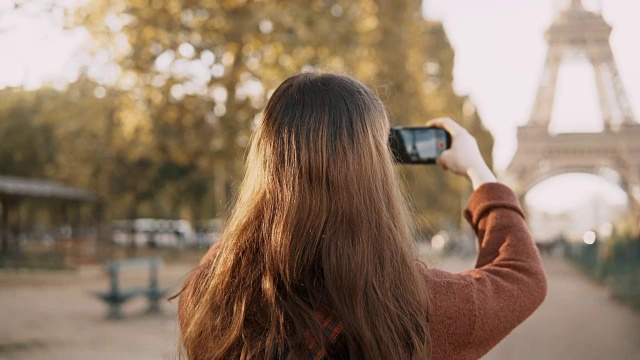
(116, 296)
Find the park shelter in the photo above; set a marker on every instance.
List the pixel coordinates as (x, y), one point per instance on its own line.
(15, 190)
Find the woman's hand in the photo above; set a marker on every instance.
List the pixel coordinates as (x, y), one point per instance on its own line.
(463, 158)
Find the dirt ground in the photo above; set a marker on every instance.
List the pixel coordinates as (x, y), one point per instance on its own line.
(55, 316)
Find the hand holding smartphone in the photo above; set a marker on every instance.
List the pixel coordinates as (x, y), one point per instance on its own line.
(464, 157)
(418, 145)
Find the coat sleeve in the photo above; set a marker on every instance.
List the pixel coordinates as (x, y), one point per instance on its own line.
(471, 312)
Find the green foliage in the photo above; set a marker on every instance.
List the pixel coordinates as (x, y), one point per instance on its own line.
(627, 229)
(26, 145)
(163, 132)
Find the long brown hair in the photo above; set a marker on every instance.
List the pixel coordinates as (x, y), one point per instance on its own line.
(320, 224)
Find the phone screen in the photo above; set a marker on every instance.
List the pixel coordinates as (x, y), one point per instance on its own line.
(418, 145)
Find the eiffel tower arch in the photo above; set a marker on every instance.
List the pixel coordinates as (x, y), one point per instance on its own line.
(577, 32)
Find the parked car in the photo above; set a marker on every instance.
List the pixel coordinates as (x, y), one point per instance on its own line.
(154, 233)
(208, 232)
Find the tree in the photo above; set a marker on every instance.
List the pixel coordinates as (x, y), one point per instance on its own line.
(416, 64)
(203, 70)
(159, 123)
(27, 146)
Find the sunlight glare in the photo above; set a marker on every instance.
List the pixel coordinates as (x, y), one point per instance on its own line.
(437, 242)
(589, 237)
(564, 192)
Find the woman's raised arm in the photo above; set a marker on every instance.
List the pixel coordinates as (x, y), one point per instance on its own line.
(472, 311)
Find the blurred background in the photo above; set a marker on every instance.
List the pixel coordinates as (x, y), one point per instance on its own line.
(124, 124)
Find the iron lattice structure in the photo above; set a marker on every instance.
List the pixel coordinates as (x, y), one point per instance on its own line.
(577, 32)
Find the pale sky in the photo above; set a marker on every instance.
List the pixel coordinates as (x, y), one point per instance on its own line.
(499, 48)
(36, 49)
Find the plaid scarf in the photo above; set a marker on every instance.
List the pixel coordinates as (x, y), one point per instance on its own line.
(331, 328)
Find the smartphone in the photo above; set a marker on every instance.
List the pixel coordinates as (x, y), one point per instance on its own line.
(418, 145)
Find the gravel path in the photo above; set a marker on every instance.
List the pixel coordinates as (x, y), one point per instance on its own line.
(54, 316)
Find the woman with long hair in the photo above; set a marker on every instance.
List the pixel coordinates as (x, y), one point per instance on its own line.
(317, 258)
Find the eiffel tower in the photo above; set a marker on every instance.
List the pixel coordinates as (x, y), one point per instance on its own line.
(577, 32)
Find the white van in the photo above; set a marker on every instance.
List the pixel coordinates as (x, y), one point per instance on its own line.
(154, 233)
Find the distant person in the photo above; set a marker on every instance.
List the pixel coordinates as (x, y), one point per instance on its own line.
(317, 259)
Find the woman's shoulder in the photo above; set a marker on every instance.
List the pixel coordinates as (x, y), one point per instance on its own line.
(450, 291)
